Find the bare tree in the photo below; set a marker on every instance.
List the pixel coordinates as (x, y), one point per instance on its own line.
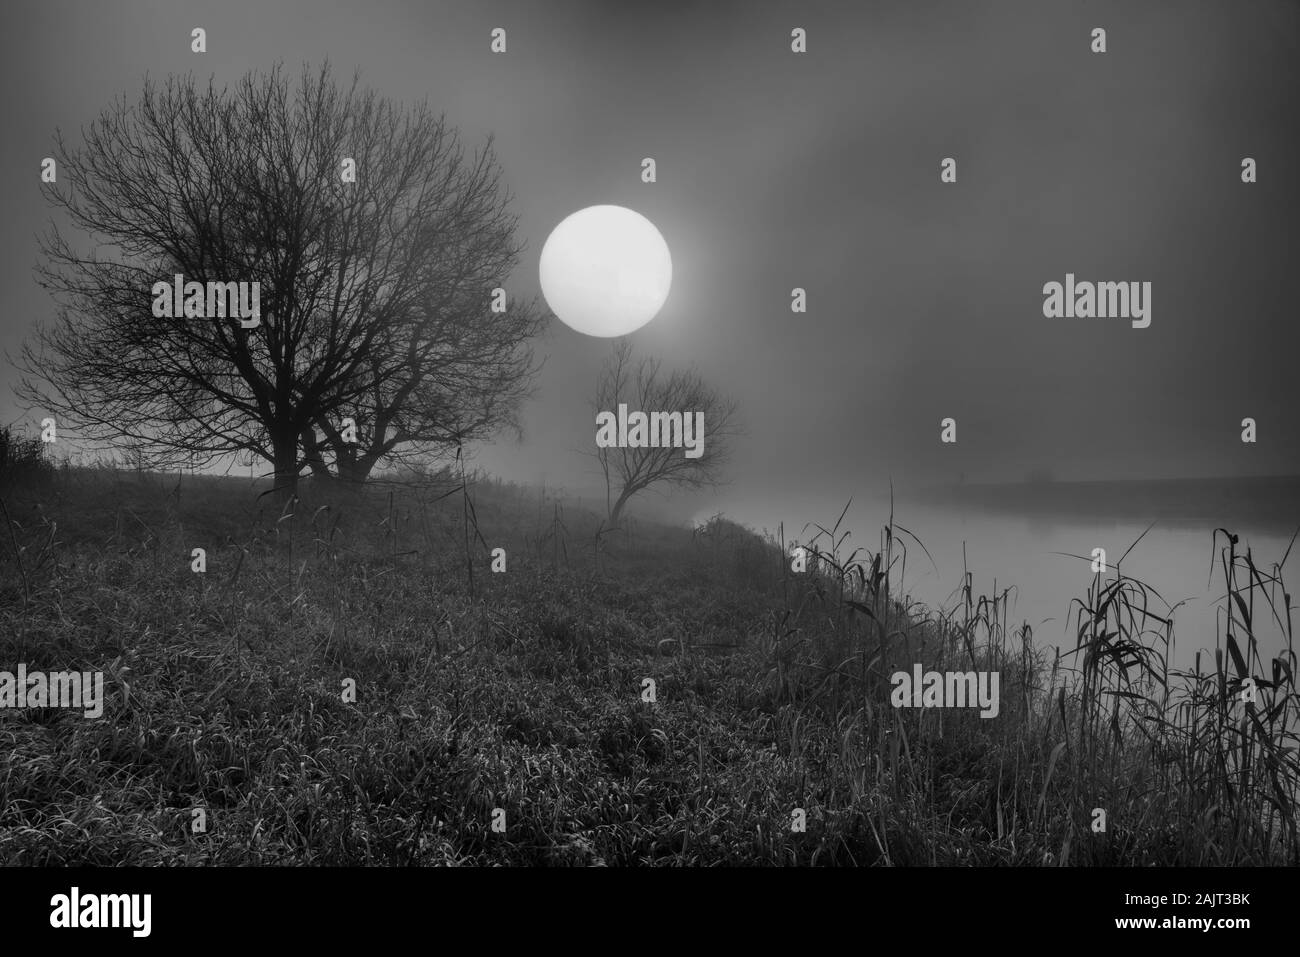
(645, 387)
(375, 293)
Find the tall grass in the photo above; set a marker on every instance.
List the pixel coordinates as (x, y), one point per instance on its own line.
(1189, 766)
(523, 691)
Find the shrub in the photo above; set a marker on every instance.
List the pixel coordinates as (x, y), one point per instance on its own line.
(22, 460)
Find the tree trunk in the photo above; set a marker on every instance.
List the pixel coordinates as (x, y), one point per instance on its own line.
(617, 513)
(315, 460)
(355, 469)
(284, 450)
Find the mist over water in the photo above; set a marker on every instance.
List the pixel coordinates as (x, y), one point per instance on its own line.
(1044, 554)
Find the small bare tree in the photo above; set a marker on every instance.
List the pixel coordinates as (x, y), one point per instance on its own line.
(644, 386)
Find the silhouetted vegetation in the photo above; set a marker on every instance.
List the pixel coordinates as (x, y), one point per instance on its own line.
(377, 338)
(22, 459)
(224, 693)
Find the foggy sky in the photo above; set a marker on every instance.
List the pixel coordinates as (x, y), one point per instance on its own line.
(822, 171)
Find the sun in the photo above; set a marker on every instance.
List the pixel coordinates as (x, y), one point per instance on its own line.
(606, 271)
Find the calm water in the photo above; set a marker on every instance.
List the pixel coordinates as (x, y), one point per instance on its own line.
(1006, 546)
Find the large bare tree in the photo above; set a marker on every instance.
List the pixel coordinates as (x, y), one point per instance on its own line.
(644, 386)
(376, 294)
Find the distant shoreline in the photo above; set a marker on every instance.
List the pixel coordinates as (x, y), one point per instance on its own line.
(1267, 499)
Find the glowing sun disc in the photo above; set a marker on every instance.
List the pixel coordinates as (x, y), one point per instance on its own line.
(605, 271)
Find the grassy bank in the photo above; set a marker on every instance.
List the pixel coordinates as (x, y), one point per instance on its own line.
(523, 691)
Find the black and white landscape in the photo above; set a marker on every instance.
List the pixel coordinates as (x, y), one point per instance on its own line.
(666, 434)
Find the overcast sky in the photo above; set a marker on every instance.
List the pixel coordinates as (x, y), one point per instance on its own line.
(821, 170)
